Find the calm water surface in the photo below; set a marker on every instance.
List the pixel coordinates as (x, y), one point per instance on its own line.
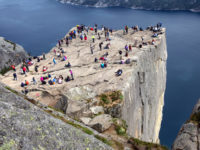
(38, 24)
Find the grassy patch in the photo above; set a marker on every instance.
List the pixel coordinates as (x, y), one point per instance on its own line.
(5, 70)
(58, 110)
(104, 98)
(104, 140)
(120, 126)
(13, 91)
(148, 145)
(116, 95)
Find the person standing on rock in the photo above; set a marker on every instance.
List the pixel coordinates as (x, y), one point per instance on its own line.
(71, 73)
(54, 61)
(93, 38)
(15, 76)
(100, 46)
(91, 48)
(34, 81)
(43, 56)
(85, 37)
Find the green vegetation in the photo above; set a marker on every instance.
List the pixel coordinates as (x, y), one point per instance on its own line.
(195, 117)
(5, 70)
(104, 140)
(120, 126)
(116, 95)
(13, 91)
(104, 98)
(111, 96)
(148, 145)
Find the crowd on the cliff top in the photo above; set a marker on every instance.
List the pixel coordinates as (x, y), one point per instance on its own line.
(81, 32)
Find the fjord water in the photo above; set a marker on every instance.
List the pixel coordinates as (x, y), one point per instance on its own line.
(38, 24)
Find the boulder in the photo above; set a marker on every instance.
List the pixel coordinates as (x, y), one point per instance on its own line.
(85, 120)
(101, 122)
(97, 109)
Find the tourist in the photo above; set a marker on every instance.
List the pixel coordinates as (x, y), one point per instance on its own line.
(119, 72)
(36, 68)
(13, 67)
(71, 73)
(54, 61)
(34, 80)
(100, 46)
(43, 56)
(93, 38)
(15, 76)
(68, 65)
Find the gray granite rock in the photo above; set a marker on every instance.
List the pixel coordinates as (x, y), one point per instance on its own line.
(188, 137)
(25, 126)
(101, 122)
(11, 53)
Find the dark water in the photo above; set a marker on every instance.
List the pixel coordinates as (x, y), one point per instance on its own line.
(38, 24)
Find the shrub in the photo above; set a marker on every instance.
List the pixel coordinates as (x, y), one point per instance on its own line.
(116, 95)
(104, 98)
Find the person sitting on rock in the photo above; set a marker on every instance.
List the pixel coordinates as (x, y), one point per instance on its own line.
(105, 64)
(64, 58)
(102, 65)
(44, 68)
(13, 67)
(119, 72)
(49, 75)
(95, 60)
(26, 83)
(107, 46)
(68, 65)
(67, 79)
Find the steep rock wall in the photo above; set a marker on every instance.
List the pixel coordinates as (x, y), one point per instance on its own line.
(144, 94)
(11, 53)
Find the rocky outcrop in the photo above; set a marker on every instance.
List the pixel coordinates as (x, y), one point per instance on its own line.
(11, 53)
(193, 5)
(25, 126)
(189, 135)
(136, 96)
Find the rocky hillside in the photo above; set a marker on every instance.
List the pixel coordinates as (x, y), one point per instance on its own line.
(193, 5)
(130, 103)
(189, 135)
(24, 126)
(11, 53)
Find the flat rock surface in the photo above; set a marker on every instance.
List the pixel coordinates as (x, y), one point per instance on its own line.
(26, 127)
(90, 78)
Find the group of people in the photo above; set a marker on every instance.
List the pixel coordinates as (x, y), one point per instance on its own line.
(82, 32)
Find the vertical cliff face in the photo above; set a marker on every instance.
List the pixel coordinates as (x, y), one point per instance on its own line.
(144, 93)
(11, 53)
